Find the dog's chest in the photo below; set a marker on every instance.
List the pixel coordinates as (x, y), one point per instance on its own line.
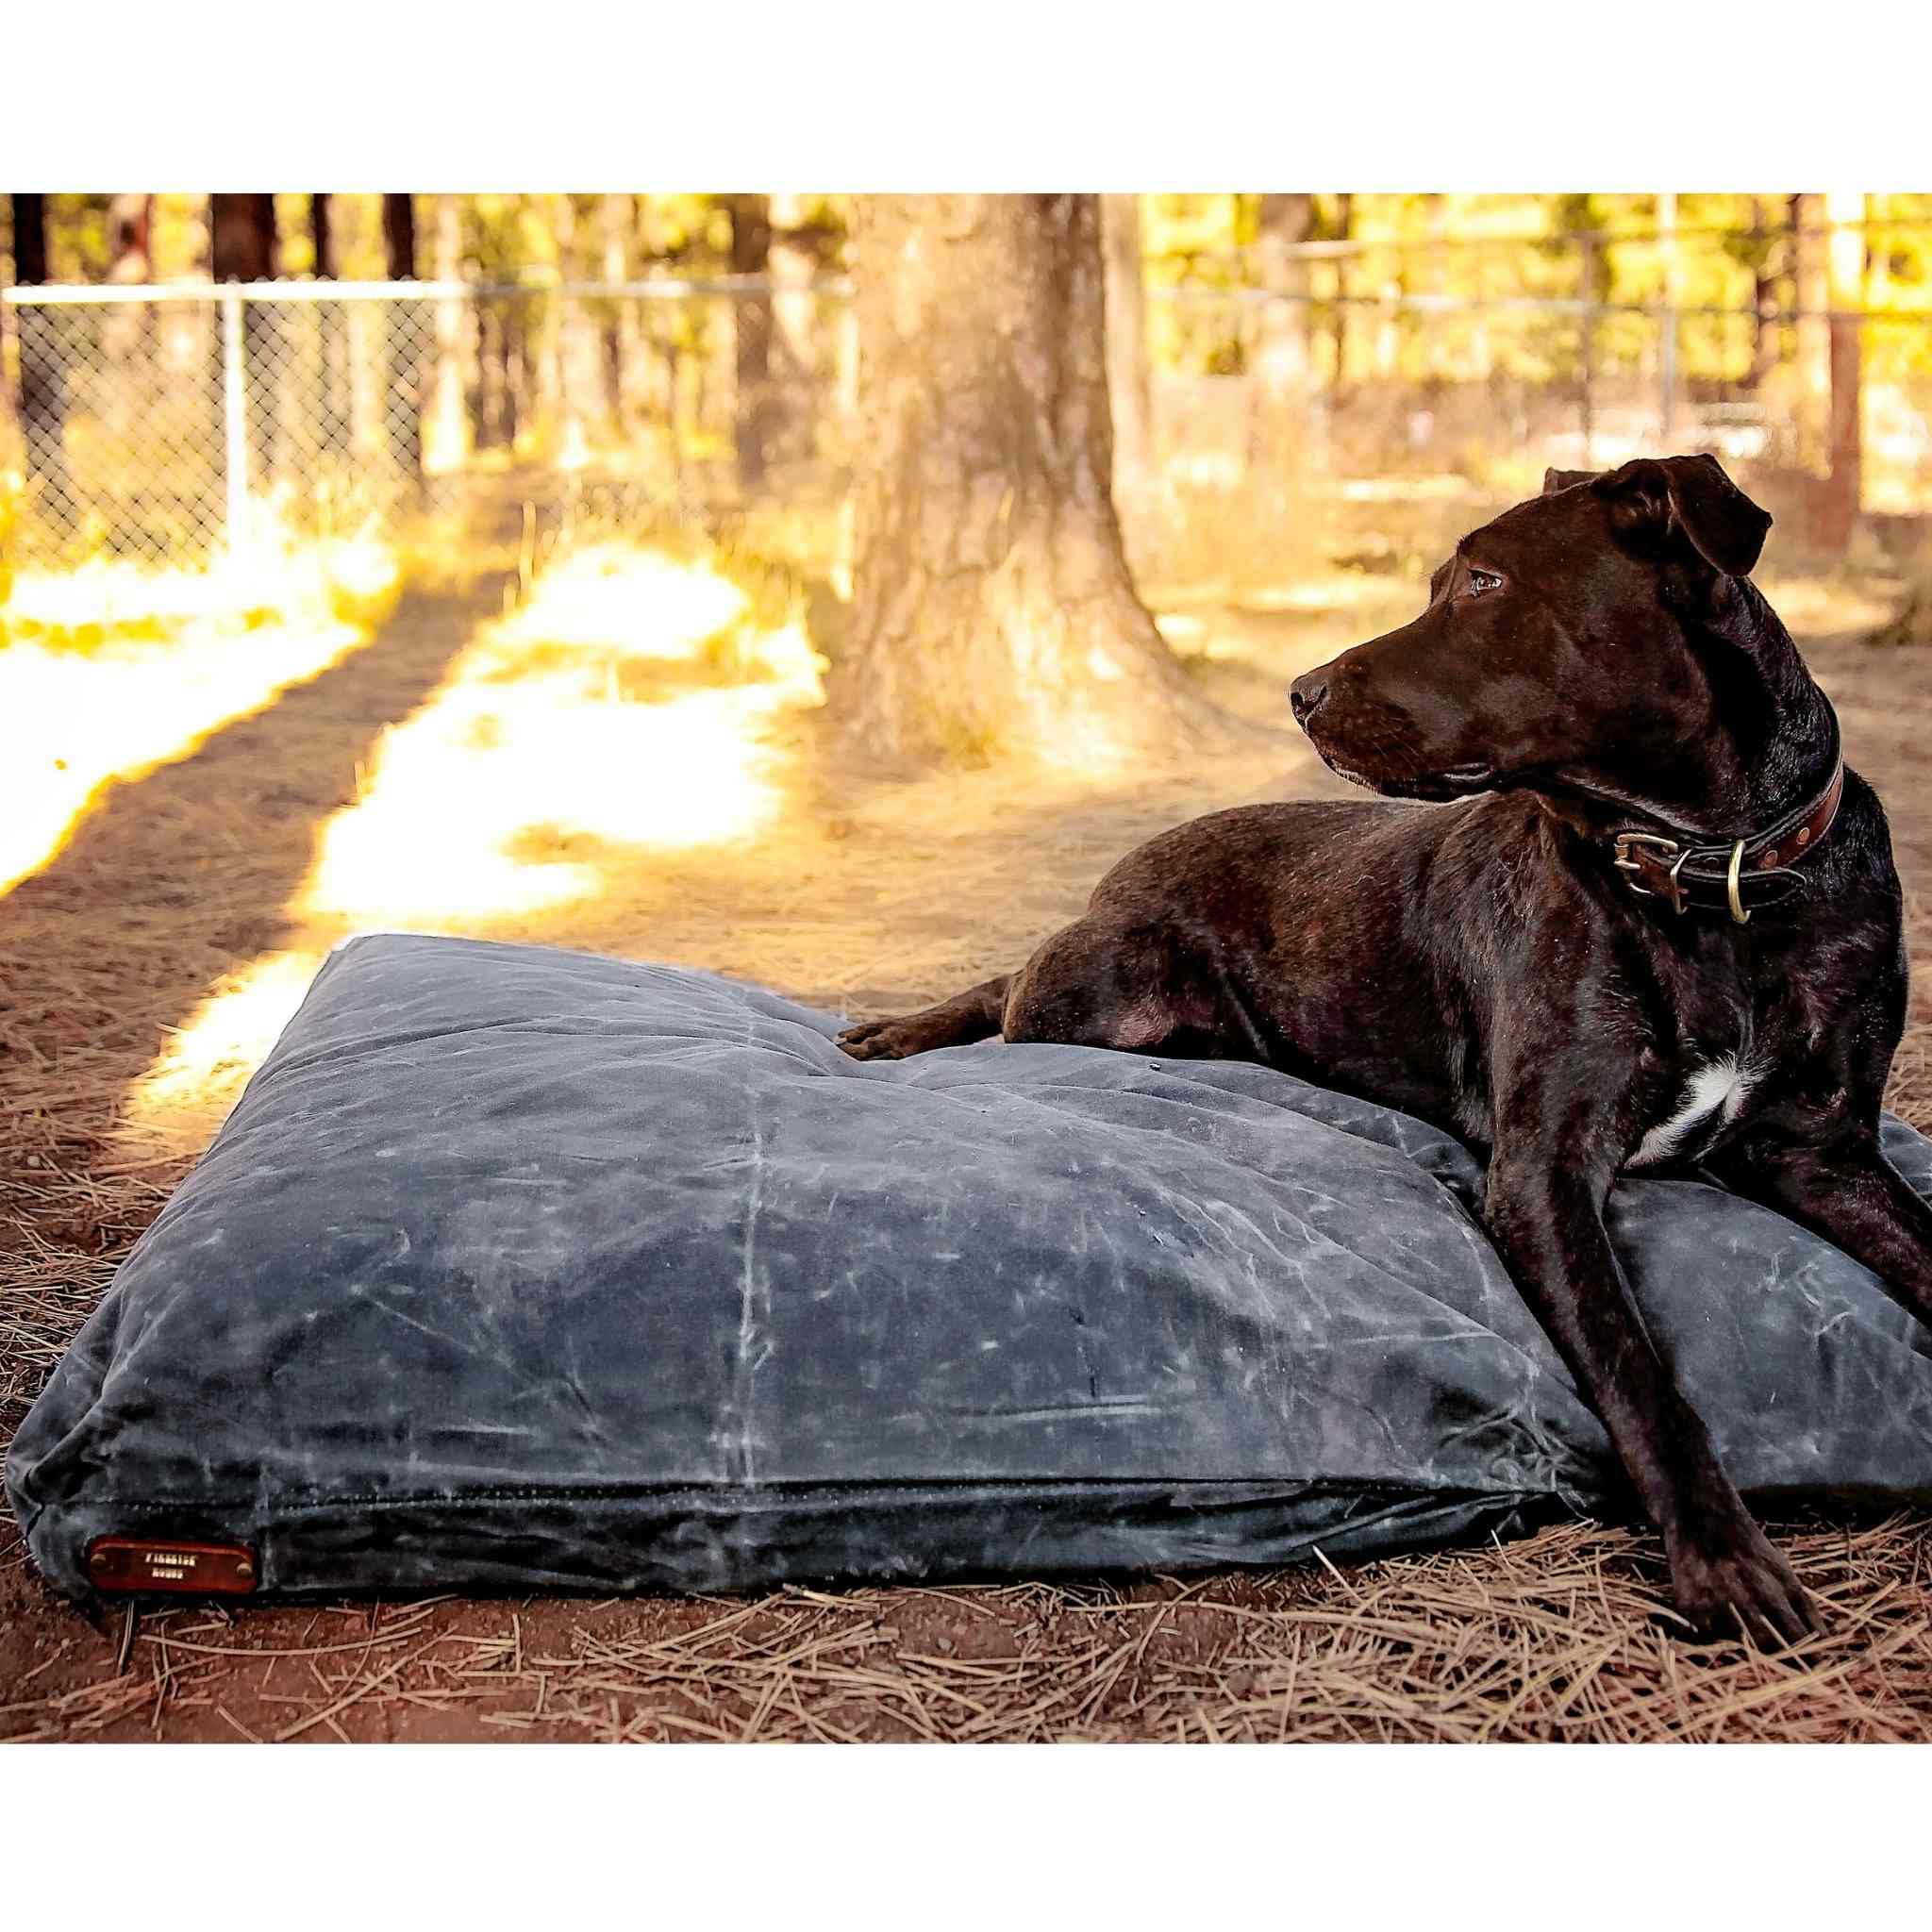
(1706, 1103)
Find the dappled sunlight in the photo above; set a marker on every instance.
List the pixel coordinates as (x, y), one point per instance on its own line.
(623, 762)
(636, 710)
(618, 764)
(595, 716)
(1403, 490)
(493, 803)
(278, 573)
(615, 596)
(190, 1090)
(111, 669)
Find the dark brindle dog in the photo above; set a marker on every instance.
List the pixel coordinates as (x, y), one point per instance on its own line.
(1661, 929)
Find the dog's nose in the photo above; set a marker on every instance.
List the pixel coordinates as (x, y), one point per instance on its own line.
(1306, 692)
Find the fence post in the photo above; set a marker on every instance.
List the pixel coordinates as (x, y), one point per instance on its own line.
(235, 427)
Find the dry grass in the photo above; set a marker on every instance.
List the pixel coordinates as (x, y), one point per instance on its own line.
(1553, 1639)
(144, 969)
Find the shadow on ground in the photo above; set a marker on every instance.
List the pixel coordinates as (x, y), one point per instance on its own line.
(172, 881)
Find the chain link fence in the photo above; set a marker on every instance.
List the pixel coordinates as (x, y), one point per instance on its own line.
(1402, 381)
(176, 426)
(182, 424)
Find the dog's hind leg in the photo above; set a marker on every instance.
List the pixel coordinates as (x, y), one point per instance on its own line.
(1101, 982)
(1847, 1190)
(1098, 982)
(967, 1016)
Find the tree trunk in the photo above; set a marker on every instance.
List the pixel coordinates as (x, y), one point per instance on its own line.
(576, 344)
(1595, 282)
(657, 379)
(43, 384)
(992, 608)
(751, 255)
(1669, 384)
(1426, 332)
(332, 413)
(449, 416)
(242, 248)
(1282, 362)
(127, 332)
(1128, 394)
(1845, 279)
(795, 355)
(399, 237)
(29, 239)
(547, 333)
(1764, 298)
(241, 237)
(1789, 334)
(1344, 231)
(129, 218)
(403, 340)
(1813, 356)
(319, 229)
(622, 336)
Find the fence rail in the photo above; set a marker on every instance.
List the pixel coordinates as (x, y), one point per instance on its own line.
(659, 288)
(296, 294)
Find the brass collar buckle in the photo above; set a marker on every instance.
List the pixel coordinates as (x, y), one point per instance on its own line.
(1651, 864)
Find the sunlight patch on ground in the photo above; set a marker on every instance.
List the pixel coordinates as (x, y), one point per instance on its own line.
(1399, 489)
(481, 806)
(199, 1076)
(591, 718)
(110, 670)
(611, 595)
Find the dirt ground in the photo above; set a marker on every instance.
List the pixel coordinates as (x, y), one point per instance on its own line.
(144, 969)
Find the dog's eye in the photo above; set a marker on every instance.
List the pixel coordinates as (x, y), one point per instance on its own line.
(1481, 581)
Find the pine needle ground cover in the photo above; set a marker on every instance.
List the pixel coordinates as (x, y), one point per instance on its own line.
(444, 775)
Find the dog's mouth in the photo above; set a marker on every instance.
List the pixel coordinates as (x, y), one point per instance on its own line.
(1436, 788)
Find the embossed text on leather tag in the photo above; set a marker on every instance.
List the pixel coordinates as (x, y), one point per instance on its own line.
(127, 1562)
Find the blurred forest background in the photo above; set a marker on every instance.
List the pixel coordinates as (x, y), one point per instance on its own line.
(988, 459)
(697, 344)
(296, 387)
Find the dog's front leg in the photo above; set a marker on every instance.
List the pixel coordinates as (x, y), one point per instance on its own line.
(1545, 1216)
(967, 1016)
(1845, 1190)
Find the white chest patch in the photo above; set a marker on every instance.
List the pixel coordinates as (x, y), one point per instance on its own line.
(1720, 1087)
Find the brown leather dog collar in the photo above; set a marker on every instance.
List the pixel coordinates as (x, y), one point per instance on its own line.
(1739, 877)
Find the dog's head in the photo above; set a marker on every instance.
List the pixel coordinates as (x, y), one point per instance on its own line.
(1561, 646)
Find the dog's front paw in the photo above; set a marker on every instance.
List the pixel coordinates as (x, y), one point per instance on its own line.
(1727, 1577)
(880, 1039)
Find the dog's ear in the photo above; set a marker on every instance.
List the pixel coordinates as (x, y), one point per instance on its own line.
(1693, 496)
(1554, 481)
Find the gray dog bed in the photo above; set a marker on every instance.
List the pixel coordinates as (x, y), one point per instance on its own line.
(519, 1270)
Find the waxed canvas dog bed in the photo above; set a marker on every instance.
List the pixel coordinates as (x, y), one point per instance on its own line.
(519, 1270)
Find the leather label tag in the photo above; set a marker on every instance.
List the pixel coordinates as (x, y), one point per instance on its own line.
(138, 1563)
